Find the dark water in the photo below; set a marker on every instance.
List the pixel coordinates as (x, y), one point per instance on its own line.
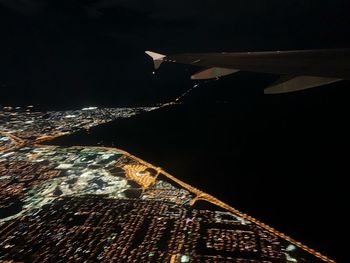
(279, 158)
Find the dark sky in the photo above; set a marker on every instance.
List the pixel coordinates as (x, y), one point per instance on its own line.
(91, 52)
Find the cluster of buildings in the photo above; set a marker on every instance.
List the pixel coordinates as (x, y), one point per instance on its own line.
(33, 176)
(34, 125)
(70, 204)
(95, 228)
(6, 142)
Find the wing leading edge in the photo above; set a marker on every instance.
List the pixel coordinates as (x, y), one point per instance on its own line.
(298, 69)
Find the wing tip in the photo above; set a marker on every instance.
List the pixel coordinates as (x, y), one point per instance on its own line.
(157, 58)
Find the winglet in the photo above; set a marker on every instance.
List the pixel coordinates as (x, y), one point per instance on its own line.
(157, 58)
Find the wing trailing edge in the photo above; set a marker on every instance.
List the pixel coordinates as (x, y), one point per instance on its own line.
(298, 83)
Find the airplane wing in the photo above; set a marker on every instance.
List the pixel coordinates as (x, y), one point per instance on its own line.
(299, 70)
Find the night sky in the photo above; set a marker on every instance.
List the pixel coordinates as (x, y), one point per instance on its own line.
(66, 54)
(91, 52)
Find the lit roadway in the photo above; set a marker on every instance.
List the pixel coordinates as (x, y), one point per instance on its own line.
(18, 143)
(199, 195)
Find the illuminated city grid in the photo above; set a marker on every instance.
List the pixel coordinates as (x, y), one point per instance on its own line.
(98, 204)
